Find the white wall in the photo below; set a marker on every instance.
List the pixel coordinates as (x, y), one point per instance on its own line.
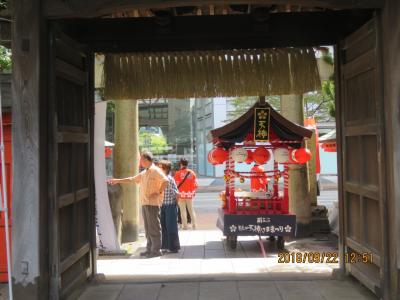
(219, 112)
(219, 120)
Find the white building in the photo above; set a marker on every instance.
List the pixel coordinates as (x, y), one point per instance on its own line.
(209, 113)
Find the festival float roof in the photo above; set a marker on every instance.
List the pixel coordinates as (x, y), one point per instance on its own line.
(280, 129)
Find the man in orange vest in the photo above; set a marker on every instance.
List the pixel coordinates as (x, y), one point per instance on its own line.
(259, 182)
(186, 180)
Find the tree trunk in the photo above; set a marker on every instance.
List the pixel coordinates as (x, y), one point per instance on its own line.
(126, 152)
(299, 199)
(311, 167)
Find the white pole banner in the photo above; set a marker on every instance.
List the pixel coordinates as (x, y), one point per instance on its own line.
(107, 240)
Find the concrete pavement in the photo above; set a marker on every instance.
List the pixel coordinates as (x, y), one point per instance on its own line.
(231, 290)
(205, 255)
(3, 291)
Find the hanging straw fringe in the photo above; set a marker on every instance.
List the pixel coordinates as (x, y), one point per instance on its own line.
(210, 74)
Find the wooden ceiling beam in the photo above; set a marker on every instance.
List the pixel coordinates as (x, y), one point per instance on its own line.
(58, 9)
(215, 32)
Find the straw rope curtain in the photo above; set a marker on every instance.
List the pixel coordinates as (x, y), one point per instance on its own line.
(210, 73)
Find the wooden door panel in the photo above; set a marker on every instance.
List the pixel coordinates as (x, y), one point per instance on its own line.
(361, 138)
(70, 163)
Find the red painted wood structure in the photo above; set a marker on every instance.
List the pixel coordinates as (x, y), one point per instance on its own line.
(8, 165)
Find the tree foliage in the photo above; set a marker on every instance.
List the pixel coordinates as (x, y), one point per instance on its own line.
(155, 143)
(321, 104)
(3, 4)
(318, 104)
(328, 58)
(241, 105)
(110, 107)
(5, 59)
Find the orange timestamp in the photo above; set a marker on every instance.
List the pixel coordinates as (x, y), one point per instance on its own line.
(323, 257)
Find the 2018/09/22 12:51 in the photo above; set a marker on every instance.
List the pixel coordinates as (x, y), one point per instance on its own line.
(323, 257)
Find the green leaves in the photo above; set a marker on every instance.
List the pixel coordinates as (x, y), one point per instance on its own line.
(318, 104)
(155, 143)
(241, 105)
(328, 58)
(5, 59)
(321, 104)
(3, 4)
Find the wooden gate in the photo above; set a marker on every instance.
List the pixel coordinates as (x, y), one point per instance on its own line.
(71, 236)
(362, 155)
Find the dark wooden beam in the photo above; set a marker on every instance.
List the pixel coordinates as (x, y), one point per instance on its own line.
(215, 32)
(5, 33)
(93, 8)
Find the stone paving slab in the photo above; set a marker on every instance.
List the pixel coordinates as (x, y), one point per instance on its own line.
(295, 290)
(344, 290)
(256, 290)
(348, 289)
(174, 291)
(219, 291)
(102, 292)
(139, 292)
(3, 291)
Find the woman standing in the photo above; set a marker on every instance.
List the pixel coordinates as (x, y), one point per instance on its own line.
(186, 180)
(169, 212)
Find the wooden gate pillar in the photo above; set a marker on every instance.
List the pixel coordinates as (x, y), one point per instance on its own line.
(29, 209)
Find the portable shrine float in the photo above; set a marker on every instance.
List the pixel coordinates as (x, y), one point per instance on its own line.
(258, 136)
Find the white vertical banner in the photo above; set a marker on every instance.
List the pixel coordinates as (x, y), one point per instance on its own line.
(107, 237)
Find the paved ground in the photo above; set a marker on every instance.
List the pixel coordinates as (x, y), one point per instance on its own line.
(3, 291)
(206, 256)
(231, 290)
(206, 268)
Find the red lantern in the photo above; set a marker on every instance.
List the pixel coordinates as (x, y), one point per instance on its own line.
(218, 156)
(300, 156)
(249, 158)
(261, 155)
(210, 160)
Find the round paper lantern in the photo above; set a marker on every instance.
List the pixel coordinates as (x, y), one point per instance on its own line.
(210, 159)
(239, 155)
(217, 156)
(261, 155)
(300, 156)
(281, 155)
(249, 158)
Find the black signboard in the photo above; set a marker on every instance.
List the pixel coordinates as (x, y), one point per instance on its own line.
(265, 225)
(261, 124)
